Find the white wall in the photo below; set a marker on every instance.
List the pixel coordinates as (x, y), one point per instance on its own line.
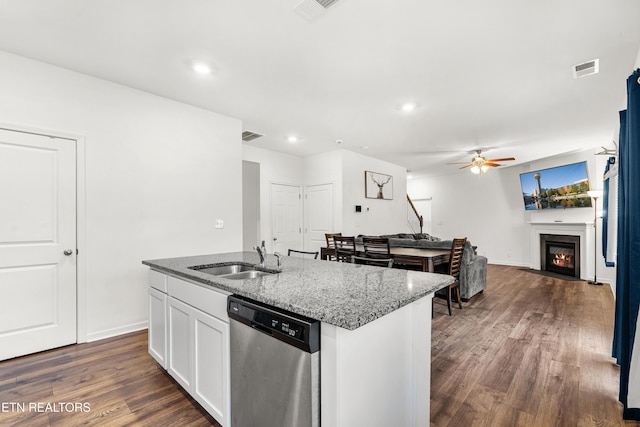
(277, 168)
(345, 169)
(158, 174)
(488, 209)
(382, 216)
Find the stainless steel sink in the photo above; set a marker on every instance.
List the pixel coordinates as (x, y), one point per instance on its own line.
(251, 274)
(234, 271)
(224, 269)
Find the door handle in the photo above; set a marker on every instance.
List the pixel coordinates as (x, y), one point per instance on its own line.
(68, 252)
(275, 238)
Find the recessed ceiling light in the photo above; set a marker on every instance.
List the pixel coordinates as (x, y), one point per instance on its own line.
(202, 68)
(292, 139)
(408, 107)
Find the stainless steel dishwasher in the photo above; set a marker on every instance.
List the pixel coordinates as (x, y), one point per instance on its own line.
(275, 366)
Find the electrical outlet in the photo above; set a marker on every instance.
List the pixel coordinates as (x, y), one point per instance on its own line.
(219, 223)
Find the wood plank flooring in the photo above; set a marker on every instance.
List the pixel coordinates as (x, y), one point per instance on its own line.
(530, 351)
(116, 377)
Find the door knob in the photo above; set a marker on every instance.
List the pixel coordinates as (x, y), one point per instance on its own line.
(275, 238)
(68, 252)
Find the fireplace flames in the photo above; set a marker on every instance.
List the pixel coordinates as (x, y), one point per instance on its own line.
(563, 260)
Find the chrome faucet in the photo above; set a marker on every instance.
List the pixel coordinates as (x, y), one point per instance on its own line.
(262, 253)
(278, 256)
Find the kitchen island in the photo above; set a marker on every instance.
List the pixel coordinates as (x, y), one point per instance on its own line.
(374, 338)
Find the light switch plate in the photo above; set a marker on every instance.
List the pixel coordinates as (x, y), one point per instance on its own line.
(219, 223)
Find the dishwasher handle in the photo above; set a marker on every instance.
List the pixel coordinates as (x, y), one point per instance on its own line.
(261, 328)
(298, 331)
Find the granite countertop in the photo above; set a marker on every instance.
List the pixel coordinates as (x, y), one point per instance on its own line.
(342, 294)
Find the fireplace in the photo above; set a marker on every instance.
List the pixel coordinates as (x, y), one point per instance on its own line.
(560, 254)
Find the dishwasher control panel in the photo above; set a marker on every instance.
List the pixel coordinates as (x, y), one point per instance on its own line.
(299, 331)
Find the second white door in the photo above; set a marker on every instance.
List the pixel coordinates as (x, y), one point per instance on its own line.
(286, 214)
(319, 215)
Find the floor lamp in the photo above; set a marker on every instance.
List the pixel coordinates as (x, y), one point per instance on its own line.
(595, 194)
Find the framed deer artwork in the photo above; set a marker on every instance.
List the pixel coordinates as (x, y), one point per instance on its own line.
(378, 185)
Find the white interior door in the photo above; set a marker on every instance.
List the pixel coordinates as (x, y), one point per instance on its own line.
(286, 217)
(37, 243)
(319, 215)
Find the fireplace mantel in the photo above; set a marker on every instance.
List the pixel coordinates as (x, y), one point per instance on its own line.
(582, 229)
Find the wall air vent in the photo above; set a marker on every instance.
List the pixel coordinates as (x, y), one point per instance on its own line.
(247, 135)
(586, 68)
(327, 3)
(313, 9)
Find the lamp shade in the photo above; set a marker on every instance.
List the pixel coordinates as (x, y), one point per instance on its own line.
(594, 194)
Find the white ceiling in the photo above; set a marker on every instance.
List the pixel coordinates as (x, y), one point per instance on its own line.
(495, 73)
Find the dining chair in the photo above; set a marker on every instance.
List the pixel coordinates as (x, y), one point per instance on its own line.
(377, 262)
(330, 244)
(302, 254)
(376, 247)
(344, 248)
(455, 262)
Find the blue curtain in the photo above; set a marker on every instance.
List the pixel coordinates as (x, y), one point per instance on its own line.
(605, 213)
(628, 262)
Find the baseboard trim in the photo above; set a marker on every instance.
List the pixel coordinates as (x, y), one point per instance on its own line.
(510, 263)
(108, 333)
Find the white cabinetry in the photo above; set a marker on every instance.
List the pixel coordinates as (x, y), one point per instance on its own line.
(211, 365)
(180, 343)
(158, 317)
(197, 342)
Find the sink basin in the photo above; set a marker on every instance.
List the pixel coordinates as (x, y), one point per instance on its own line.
(224, 269)
(251, 274)
(234, 271)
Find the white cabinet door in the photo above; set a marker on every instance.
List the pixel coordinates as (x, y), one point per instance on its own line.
(180, 342)
(211, 365)
(158, 326)
(198, 356)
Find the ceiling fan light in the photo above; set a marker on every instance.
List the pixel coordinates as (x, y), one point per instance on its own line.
(475, 169)
(484, 168)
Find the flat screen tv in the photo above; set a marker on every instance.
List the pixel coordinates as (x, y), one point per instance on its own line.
(560, 187)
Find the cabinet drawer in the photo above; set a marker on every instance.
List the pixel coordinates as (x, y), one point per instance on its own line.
(158, 280)
(209, 300)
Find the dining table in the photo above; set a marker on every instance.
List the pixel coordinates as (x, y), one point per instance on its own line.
(425, 259)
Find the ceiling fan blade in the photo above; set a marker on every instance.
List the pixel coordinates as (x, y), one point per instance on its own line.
(458, 163)
(493, 165)
(501, 160)
(466, 166)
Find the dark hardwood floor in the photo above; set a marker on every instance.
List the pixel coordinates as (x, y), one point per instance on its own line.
(116, 377)
(530, 351)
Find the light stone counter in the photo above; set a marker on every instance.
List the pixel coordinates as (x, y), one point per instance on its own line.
(340, 294)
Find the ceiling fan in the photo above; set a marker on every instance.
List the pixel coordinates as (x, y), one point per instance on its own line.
(480, 164)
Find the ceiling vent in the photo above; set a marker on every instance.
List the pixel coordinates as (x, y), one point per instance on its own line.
(313, 9)
(247, 135)
(586, 68)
